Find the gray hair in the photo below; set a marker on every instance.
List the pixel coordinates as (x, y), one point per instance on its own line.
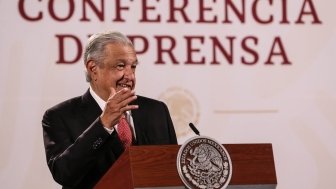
(95, 48)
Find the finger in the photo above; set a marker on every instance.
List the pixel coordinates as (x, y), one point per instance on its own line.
(125, 92)
(127, 101)
(121, 95)
(125, 95)
(124, 105)
(128, 108)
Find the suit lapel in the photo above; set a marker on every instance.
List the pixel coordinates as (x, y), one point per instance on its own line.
(90, 108)
(139, 124)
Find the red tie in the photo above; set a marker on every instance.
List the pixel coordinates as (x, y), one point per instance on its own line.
(124, 132)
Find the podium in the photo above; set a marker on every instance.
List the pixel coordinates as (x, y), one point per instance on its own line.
(155, 167)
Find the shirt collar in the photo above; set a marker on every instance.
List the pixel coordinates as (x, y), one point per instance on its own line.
(99, 101)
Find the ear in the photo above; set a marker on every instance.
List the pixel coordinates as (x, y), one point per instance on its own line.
(91, 68)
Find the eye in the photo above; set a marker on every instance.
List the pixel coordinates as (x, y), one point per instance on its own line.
(120, 66)
(133, 66)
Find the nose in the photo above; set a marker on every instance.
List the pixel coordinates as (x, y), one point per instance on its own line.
(129, 72)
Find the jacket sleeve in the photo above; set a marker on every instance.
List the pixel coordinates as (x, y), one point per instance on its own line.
(170, 125)
(69, 159)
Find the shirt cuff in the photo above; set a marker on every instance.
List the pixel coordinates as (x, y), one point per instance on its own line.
(110, 131)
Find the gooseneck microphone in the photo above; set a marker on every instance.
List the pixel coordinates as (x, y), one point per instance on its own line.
(192, 126)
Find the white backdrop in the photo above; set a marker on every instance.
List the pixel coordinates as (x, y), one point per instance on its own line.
(291, 105)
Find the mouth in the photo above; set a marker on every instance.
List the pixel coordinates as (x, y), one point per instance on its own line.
(125, 85)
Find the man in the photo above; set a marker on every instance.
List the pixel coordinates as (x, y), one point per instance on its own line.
(85, 135)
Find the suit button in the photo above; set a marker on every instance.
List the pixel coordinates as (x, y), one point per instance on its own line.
(97, 143)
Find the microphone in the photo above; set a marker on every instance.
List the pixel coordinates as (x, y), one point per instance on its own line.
(192, 126)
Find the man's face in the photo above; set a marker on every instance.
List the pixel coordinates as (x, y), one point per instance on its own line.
(117, 70)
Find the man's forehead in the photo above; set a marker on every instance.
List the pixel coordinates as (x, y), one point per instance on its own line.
(122, 52)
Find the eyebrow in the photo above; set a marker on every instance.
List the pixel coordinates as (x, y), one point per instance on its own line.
(125, 61)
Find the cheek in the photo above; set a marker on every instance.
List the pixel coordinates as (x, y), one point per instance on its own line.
(109, 79)
(118, 75)
(115, 77)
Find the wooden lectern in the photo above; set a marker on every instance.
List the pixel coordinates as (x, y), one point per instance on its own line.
(155, 167)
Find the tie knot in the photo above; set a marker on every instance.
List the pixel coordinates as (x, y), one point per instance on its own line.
(123, 116)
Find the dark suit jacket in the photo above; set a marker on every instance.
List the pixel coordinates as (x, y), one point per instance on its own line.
(79, 150)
